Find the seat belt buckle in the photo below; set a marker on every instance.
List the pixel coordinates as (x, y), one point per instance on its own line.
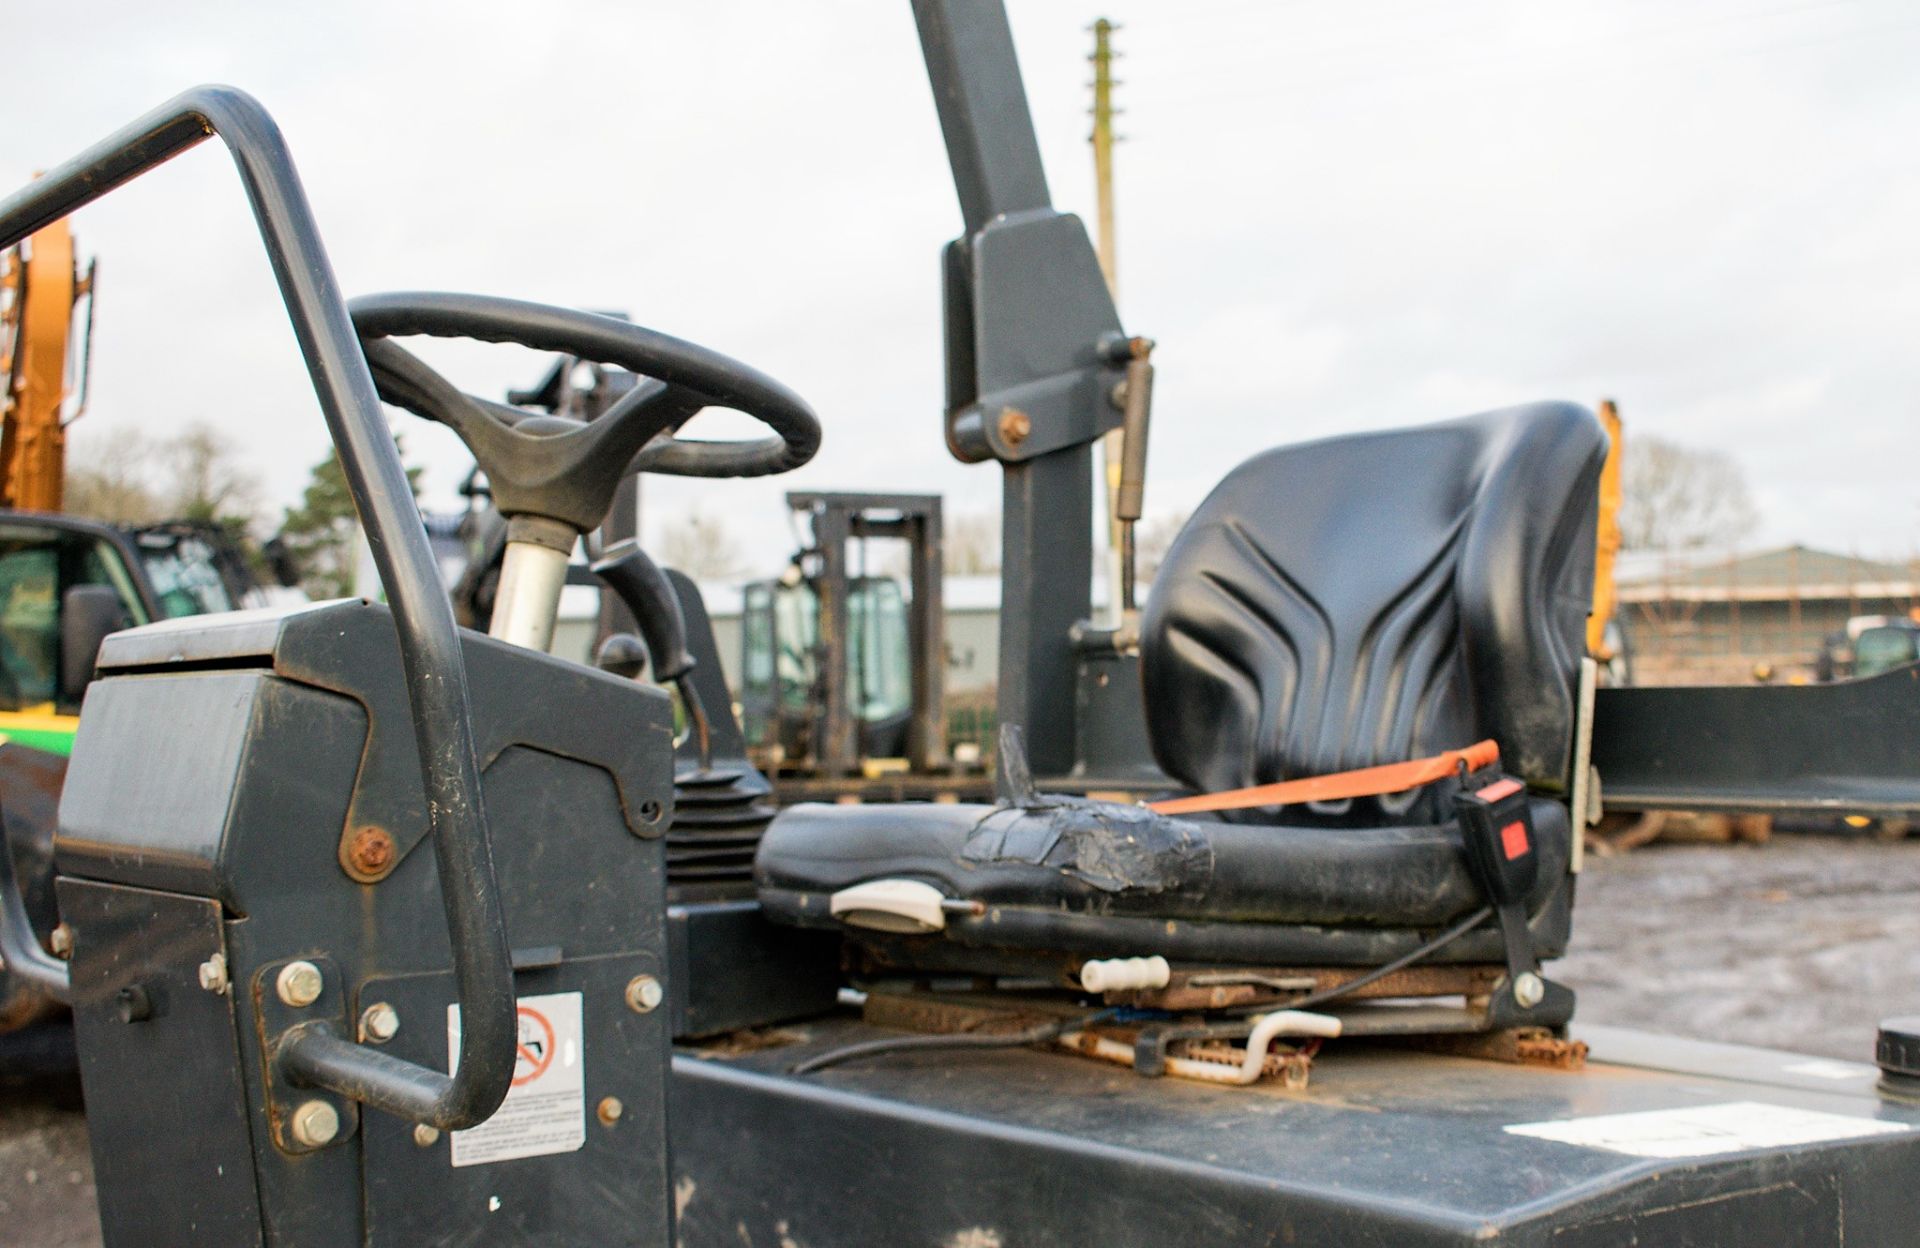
(1496, 822)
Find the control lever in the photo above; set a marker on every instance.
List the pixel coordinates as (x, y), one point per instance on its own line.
(632, 574)
(1136, 403)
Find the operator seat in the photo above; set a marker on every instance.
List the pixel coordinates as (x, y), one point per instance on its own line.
(1361, 600)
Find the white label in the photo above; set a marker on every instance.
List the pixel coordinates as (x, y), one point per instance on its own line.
(546, 1108)
(1704, 1130)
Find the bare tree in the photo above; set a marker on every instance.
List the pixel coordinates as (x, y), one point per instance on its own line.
(1675, 497)
(205, 482)
(972, 544)
(111, 479)
(127, 477)
(701, 546)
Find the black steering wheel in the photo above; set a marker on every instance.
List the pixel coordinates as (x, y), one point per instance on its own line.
(563, 469)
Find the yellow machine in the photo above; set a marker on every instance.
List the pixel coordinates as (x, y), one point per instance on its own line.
(1599, 644)
(41, 288)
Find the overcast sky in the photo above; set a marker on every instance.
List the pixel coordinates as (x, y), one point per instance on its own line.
(1332, 216)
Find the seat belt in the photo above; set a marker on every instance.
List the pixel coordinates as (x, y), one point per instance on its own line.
(1366, 782)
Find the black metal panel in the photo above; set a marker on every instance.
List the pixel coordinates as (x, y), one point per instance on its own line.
(166, 1109)
(732, 969)
(612, 1190)
(1112, 750)
(1386, 1147)
(1844, 748)
(577, 760)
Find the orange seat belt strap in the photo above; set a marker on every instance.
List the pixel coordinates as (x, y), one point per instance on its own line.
(1366, 782)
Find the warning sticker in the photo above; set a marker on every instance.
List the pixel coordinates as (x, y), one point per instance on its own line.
(1704, 1130)
(546, 1108)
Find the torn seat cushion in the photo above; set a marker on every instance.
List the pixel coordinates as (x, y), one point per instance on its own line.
(1073, 858)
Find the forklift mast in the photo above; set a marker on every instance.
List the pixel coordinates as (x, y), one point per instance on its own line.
(829, 725)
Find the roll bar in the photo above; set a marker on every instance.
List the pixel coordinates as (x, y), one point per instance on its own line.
(429, 645)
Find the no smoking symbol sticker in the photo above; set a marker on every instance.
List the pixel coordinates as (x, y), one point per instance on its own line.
(533, 1053)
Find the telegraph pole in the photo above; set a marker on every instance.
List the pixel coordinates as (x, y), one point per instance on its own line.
(1103, 140)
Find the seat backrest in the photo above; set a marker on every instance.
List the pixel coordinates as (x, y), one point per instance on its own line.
(1379, 597)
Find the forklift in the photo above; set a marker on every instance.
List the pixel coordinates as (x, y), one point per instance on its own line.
(842, 669)
(382, 951)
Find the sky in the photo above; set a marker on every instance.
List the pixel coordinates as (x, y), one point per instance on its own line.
(1332, 216)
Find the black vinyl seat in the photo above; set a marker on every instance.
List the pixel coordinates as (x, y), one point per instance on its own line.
(1345, 603)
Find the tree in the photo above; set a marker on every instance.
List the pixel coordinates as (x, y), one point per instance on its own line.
(702, 547)
(204, 483)
(110, 480)
(127, 477)
(319, 535)
(1677, 497)
(972, 544)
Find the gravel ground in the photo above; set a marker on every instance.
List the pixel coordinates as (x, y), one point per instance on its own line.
(1803, 943)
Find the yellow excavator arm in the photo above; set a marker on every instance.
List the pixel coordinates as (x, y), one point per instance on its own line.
(40, 286)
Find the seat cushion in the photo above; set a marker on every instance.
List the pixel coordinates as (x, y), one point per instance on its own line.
(1379, 597)
(1072, 857)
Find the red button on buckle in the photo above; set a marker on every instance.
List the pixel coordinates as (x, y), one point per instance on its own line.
(1513, 838)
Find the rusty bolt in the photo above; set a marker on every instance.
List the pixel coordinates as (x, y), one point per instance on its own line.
(371, 854)
(610, 1110)
(60, 940)
(315, 1124)
(299, 984)
(644, 994)
(1015, 425)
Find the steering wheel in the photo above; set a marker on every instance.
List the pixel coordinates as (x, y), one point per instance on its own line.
(554, 477)
(566, 470)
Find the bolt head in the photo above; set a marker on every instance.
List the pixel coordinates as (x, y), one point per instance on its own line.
(1528, 990)
(299, 984)
(315, 1124)
(60, 941)
(1015, 425)
(644, 994)
(426, 1136)
(213, 973)
(371, 853)
(610, 1110)
(379, 1022)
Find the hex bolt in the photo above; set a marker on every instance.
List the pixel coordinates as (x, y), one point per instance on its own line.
(379, 1022)
(60, 941)
(213, 974)
(299, 984)
(644, 994)
(315, 1123)
(1528, 990)
(426, 1136)
(610, 1110)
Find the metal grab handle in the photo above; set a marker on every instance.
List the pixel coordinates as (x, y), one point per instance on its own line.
(429, 646)
(19, 947)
